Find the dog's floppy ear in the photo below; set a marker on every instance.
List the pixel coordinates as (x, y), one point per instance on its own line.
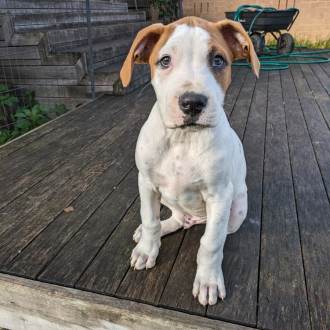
(239, 43)
(140, 51)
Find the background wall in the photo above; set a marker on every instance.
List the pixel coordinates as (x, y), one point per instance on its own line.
(313, 22)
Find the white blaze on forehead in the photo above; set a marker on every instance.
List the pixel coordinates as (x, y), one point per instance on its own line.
(192, 41)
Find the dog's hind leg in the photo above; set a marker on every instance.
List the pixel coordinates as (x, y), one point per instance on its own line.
(168, 226)
(238, 213)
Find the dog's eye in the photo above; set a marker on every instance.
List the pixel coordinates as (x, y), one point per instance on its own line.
(165, 61)
(218, 62)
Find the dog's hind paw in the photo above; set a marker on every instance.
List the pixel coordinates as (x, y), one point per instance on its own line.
(137, 234)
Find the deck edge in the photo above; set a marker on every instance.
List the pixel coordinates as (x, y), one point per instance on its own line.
(27, 304)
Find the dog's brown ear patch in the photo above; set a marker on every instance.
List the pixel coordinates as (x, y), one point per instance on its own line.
(239, 42)
(140, 50)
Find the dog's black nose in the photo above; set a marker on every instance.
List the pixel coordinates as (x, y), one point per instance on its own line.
(191, 103)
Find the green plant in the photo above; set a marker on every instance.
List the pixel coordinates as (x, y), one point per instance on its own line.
(26, 117)
(168, 9)
(6, 98)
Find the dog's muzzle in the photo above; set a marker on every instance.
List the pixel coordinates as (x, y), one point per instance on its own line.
(192, 104)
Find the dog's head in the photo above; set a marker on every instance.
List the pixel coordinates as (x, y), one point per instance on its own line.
(190, 62)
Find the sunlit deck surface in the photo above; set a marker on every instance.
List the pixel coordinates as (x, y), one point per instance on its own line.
(69, 205)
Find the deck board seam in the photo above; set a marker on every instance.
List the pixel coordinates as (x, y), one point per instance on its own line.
(262, 198)
(249, 110)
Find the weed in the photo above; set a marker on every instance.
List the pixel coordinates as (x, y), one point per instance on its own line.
(27, 116)
(304, 42)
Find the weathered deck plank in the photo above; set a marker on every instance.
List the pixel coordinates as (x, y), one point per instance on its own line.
(317, 127)
(312, 205)
(282, 295)
(322, 77)
(319, 92)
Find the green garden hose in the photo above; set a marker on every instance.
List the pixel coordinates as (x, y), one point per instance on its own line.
(266, 62)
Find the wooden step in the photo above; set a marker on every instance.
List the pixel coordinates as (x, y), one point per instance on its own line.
(105, 53)
(21, 57)
(24, 39)
(63, 91)
(109, 75)
(75, 37)
(41, 22)
(69, 102)
(75, 72)
(51, 6)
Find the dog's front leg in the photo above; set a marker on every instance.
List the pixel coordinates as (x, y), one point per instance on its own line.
(209, 282)
(145, 253)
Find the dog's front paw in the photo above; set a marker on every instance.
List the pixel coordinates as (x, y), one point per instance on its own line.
(144, 254)
(209, 285)
(137, 234)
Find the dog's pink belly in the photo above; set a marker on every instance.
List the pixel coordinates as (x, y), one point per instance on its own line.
(191, 220)
(191, 212)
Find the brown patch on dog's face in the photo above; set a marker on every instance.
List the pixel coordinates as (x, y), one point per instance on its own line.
(168, 30)
(218, 46)
(239, 43)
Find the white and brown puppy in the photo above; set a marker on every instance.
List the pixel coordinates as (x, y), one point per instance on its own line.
(188, 156)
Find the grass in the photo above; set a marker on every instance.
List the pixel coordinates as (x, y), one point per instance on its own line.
(300, 41)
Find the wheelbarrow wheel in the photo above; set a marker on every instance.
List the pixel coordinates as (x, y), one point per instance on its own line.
(285, 44)
(258, 43)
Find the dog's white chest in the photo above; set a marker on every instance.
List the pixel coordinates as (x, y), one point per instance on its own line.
(179, 179)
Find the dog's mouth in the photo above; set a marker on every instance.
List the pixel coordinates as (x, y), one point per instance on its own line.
(193, 126)
(191, 121)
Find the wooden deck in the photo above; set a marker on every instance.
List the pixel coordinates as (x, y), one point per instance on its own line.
(69, 205)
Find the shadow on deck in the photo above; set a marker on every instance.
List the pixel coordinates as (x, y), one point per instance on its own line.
(69, 205)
